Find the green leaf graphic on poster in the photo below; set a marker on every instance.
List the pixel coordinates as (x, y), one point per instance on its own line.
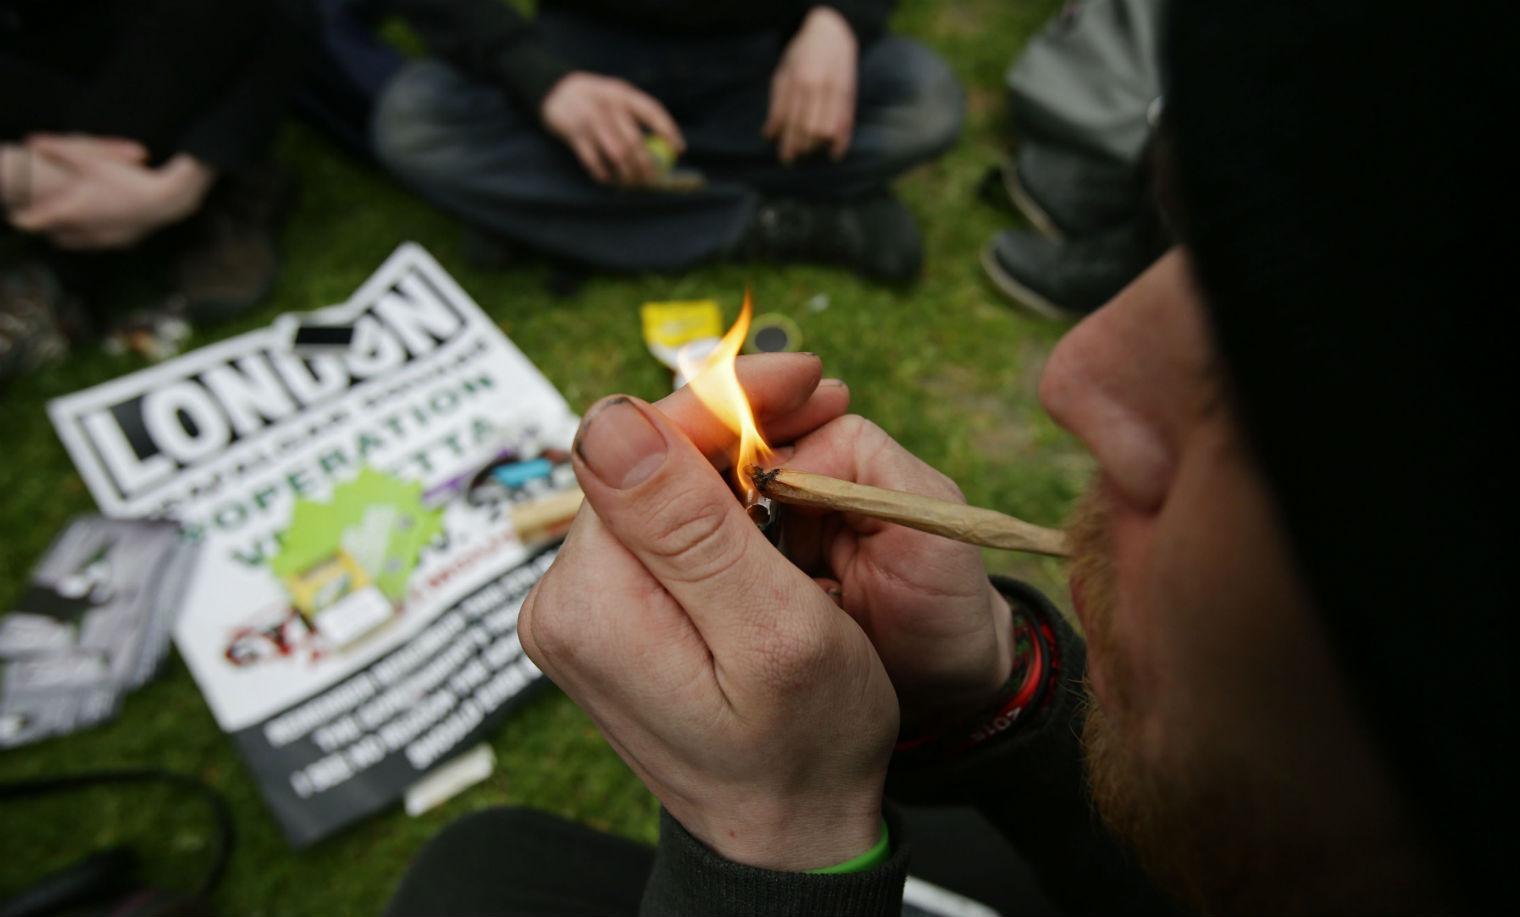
(368, 533)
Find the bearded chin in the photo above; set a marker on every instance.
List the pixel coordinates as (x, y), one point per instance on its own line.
(1187, 831)
(1157, 814)
(1135, 806)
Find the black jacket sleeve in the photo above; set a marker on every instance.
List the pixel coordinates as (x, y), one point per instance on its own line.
(1029, 782)
(489, 40)
(237, 128)
(209, 79)
(689, 878)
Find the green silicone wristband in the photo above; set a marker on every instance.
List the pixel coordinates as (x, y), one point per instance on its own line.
(875, 855)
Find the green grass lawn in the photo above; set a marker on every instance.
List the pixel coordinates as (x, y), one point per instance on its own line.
(947, 367)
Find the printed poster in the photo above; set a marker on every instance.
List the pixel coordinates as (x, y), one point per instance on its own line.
(370, 512)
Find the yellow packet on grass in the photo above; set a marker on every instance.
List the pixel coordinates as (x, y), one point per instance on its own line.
(672, 326)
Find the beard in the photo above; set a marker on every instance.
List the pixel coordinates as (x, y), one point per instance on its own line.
(1207, 816)
(1181, 819)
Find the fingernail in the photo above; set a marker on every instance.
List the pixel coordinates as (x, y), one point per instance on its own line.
(831, 382)
(619, 444)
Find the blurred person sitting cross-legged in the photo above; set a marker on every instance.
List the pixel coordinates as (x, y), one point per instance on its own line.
(656, 135)
(133, 136)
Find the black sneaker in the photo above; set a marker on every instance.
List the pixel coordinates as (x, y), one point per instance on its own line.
(1066, 194)
(875, 236)
(1065, 280)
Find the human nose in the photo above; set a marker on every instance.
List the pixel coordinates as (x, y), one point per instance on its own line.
(1113, 383)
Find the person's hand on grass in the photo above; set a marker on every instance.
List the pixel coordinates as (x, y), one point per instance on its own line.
(98, 193)
(603, 119)
(738, 691)
(813, 91)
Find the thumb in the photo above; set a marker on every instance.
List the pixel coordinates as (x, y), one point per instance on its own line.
(668, 506)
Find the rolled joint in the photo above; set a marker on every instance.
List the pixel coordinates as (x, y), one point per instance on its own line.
(760, 476)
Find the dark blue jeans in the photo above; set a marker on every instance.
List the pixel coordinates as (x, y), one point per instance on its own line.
(469, 149)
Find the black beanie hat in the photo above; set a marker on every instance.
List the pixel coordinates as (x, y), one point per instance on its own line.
(1336, 170)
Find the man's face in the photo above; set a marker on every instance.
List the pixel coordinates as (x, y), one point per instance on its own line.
(1219, 741)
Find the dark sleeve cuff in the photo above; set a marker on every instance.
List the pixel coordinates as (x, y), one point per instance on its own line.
(868, 18)
(689, 878)
(528, 71)
(1040, 738)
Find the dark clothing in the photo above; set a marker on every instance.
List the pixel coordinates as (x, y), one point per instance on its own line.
(1027, 782)
(467, 147)
(344, 66)
(519, 861)
(506, 861)
(463, 128)
(689, 878)
(208, 79)
(493, 43)
(1349, 218)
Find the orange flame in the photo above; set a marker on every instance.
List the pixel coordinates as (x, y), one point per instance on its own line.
(716, 385)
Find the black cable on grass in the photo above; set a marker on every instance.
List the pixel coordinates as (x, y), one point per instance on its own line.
(226, 837)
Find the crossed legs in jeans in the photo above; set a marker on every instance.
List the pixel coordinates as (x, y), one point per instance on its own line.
(465, 146)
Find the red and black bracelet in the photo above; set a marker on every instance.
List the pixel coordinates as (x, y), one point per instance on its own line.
(1036, 665)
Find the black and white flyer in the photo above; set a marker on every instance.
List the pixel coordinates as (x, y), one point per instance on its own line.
(92, 625)
(370, 515)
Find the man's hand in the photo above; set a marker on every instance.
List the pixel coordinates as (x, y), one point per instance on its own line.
(738, 691)
(97, 193)
(813, 89)
(942, 630)
(603, 119)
